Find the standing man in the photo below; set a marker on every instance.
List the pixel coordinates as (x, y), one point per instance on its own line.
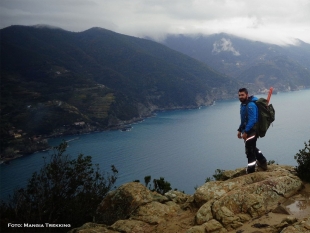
(247, 131)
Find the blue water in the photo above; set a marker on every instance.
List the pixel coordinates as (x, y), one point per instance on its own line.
(185, 147)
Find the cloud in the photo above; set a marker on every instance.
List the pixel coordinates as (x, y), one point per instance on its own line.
(276, 21)
(224, 45)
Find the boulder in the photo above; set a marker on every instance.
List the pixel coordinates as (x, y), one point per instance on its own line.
(211, 226)
(155, 212)
(122, 202)
(216, 206)
(255, 198)
(196, 229)
(228, 218)
(92, 228)
(286, 185)
(281, 210)
(204, 214)
(248, 195)
(244, 217)
(229, 174)
(177, 196)
(293, 226)
(214, 226)
(216, 189)
(130, 225)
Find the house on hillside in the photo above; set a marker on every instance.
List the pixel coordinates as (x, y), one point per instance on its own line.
(80, 123)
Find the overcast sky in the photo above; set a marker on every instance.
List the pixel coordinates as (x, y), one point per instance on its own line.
(274, 21)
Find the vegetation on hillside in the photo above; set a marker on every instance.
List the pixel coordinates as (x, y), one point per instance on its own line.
(55, 82)
(65, 191)
(303, 161)
(159, 185)
(217, 176)
(279, 72)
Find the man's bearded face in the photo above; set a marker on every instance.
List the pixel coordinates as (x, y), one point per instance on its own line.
(243, 96)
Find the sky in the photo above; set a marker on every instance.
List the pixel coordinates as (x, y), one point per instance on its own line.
(272, 21)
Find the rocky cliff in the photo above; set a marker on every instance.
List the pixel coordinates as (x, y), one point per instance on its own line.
(239, 203)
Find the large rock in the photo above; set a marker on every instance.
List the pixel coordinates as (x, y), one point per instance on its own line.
(302, 226)
(177, 196)
(229, 174)
(204, 214)
(92, 228)
(129, 226)
(289, 226)
(216, 189)
(211, 226)
(250, 195)
(217, 206)
(255, 198)
(228, 218)
(197, 229)
(214, 226)
(122, 202)
(155, 212)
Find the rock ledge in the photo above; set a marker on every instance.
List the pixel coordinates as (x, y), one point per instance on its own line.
(216, 206)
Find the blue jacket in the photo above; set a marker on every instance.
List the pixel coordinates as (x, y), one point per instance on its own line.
(248, 115)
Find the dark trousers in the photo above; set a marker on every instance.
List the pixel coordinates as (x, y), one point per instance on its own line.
(253, 153)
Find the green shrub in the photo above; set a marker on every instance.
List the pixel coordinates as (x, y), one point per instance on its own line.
(64, 191)
(147, 180)
(303, 160)
(161, 186)
(218, 175)
(271, 162)
(208, 179)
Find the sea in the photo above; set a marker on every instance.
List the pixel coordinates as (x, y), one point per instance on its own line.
(185, 147)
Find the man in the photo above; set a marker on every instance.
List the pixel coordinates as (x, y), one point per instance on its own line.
(247, 132)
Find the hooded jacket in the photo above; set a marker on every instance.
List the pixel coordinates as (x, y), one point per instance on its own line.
(248, 115)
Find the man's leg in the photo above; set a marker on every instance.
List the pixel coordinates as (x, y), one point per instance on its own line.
(262, 161)
(250, 150)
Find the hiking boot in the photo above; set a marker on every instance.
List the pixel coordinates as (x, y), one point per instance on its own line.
(262, 165)
(250, 169)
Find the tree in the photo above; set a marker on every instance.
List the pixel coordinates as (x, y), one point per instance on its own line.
(161, 186)
(218, 175)
(303, 160)
(64, 191)
(147, 180)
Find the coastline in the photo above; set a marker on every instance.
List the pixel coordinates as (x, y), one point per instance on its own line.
(122, 126)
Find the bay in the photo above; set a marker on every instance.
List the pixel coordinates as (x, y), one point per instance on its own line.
(185, 146)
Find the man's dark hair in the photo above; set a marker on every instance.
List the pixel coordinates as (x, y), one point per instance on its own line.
(244, 90)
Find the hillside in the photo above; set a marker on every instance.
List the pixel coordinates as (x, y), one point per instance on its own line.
(284, 67)
(56, 82)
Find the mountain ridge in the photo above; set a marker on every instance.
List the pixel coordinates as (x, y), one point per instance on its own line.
(98, 77)
(235, 57)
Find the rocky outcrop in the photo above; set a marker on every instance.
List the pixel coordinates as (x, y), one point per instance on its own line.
(216, 206)
(126, 200)
(294, 226)
(235, 201)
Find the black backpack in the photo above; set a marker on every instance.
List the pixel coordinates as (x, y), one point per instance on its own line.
(266, 115)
